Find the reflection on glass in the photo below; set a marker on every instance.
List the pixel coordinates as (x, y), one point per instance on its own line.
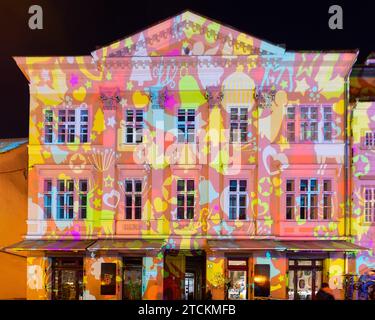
(237, 287)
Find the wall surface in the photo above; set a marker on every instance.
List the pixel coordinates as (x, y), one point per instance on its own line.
(13, 214)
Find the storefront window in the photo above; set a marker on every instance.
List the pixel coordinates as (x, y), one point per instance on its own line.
(262, 280)
(67, 280)
(304, 279)
(237, 287)
(237, 279)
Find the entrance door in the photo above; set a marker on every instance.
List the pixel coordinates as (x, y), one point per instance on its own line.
(305, 279)
(132, 279)
(237, 274)
(67, 278)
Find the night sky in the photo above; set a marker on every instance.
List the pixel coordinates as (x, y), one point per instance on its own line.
(78, 27)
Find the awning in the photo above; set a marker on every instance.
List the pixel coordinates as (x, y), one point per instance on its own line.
(243, 245)
(280, 245)
(49, 245)
(320, 245)
(125, 245)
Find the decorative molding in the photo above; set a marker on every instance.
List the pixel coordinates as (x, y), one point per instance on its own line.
(177, 28)
(179, 61)
(265, 97)
(214, 95)
(110, 97)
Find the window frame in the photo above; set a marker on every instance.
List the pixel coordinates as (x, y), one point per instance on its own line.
(185, 193)
(187, 125)
(137, 127)
(63, 125)
(240, 123)
(308, 194)
(371, 207)
(324, 121)
(238, 194)
(133, 194)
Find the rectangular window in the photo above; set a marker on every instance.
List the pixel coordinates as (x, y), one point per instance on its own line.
(65, 199)
(84, 119)
(291, 124)
(61, 126)
(186, 126)
(327, 127)
(327, 199)
(68, 122)
(302, 123)
(307, 197)
(133, 199)
(134, 126)
(185, 199)
(82, 205)
(369, 204)
(48, 126)
(237, 199)
(290, 196)
(309, 123)
(238, 125)
(47, 199)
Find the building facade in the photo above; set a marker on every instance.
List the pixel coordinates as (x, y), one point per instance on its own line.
(185, 159)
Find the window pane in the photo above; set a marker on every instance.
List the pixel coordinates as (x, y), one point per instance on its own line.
(128, 201)
(84, 116)
(327, 185)
(129, 115)
(190, 213)
(137, 201)
(234, 114)
(138, 213)
(303, 185)
(128, 213)
(242, 200)
(180, 185)
(232, 200)
(242, 214)
(190, 185)
(190, 200)
(128, 185)
(232, 213)
(83, 185)
(48, 116)
(243, 115)
(180, 213)
(60, 185)
(290, 185)
(243, 184)
(70, 185)
(233, 185)
(291, 113)
(313, 185)
(180, 200)
(138, 185)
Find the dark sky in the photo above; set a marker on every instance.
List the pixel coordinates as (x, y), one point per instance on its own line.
(77, 27)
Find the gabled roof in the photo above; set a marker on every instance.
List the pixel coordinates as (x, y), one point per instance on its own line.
(172, 36)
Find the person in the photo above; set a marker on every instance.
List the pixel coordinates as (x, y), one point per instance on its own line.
(324, 293)
(367, 287)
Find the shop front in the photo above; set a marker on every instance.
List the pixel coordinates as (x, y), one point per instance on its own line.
(221, 270)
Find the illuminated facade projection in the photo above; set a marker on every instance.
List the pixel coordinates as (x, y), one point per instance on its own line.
(191, 160)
